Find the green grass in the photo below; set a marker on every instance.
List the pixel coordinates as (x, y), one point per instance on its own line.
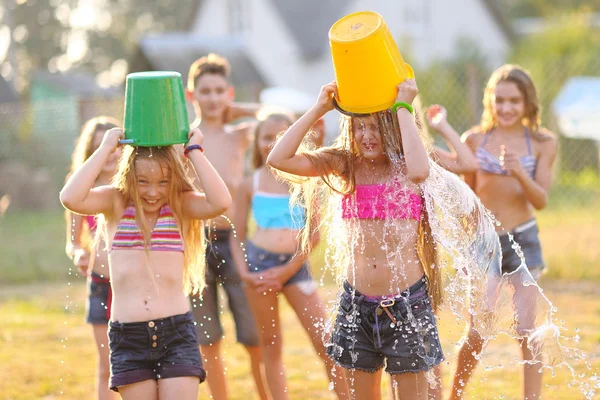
(48, 352)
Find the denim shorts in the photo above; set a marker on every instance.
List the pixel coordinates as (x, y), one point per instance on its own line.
(158, 349)
(97, 310)
(365, 336)
(526, 235)
(221, 272)
(262, 260)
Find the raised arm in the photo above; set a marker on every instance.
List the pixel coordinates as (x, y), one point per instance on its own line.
(460, 160)
(470, 140)
(79, 195)
(216, 198)
(417, 161)
(285, 156)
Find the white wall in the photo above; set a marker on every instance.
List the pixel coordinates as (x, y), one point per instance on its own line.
(425, 30)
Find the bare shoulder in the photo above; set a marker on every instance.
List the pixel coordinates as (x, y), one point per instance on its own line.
(472, 137)
(545, 141)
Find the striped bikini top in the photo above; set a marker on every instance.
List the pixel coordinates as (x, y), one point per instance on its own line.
(165, 235)
(489, 163)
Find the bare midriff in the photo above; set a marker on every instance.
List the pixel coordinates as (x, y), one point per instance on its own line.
(281, 241)
(147, 286)
(385, 256)
(504, 197)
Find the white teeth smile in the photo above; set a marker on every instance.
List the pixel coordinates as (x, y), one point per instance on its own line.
(151, 201)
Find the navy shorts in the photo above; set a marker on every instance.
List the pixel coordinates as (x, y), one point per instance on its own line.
(96, 305)
(527, 236)
(207, 309)
(262, 260)
(365, 337)
(157, 349)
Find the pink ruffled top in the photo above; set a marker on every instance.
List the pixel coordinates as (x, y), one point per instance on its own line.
(382, 201)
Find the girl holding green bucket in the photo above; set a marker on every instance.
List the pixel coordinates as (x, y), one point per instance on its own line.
(151, 219)
(88, 255)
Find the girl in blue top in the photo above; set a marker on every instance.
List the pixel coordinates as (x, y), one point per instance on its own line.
(272, 265)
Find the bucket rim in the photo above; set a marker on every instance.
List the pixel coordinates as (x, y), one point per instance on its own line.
(380, 22)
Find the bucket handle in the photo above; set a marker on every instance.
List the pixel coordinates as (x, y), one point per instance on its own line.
(126, 141)
(348, 113)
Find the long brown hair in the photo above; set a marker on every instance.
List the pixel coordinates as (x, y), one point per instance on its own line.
(85, 141)
(257, 159)
(83, 150)
(336, 168)
(521, 78)
(180, 182)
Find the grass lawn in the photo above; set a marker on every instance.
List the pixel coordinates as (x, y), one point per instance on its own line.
(48, 353)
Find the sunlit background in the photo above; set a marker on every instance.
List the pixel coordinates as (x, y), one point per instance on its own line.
(65, 61)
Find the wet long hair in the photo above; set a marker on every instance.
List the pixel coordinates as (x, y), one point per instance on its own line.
(180, 181)
(335, 165)
(521, 78)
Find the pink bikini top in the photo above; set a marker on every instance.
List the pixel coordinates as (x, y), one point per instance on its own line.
(382, 201)
(165, 235)
(91, 221)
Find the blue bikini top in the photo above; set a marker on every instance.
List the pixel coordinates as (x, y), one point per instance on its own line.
(272, 210)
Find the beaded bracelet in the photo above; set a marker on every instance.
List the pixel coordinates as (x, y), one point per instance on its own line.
(192, 147)
(399, 104)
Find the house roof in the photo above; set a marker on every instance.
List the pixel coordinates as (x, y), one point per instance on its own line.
(177, 51)
(309, 21)
(77, 83)
(576, 107)
(7, 93)
(312, 36)
(503, 23)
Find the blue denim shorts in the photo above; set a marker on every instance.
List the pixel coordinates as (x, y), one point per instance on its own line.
(96, 305)
(158, 349)
(365, 336)
(262, 260)
(526, 235)
(208, 308)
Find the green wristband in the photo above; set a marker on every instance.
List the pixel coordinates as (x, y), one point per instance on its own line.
(399, 104)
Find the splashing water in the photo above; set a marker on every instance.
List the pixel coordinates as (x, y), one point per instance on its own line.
(467, 247)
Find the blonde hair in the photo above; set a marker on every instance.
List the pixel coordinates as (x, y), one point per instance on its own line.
(520, 77)
(180, 182)
(335, 167)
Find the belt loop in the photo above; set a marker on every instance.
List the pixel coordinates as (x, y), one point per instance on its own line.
(172, 319)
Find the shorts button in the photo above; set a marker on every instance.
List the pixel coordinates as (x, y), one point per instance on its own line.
(379, 311)
(154, 344)
(151, 324)
(154, 337)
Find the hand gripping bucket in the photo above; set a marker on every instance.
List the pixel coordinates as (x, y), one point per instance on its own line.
(367, 63)
(155, 110)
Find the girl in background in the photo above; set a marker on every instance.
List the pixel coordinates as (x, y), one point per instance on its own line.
(90, 258)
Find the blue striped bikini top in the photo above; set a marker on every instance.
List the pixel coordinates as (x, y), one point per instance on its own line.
(273, 211)
(489, 163)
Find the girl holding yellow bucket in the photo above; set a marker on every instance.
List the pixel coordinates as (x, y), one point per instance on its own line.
(385, 312)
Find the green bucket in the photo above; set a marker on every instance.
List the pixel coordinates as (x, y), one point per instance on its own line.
(155, 110)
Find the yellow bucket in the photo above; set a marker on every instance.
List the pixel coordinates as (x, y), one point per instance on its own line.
(367, 63)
